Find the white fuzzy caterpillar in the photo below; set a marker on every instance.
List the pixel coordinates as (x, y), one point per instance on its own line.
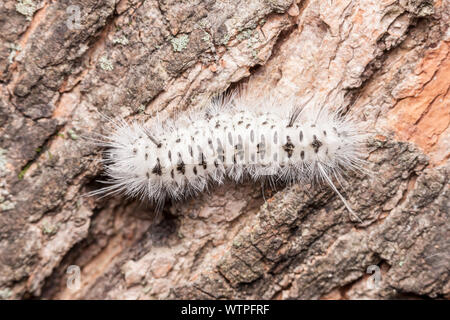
(235, 139)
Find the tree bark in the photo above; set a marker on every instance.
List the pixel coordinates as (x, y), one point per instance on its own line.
(387, 61)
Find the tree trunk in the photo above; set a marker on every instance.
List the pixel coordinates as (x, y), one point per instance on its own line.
(64, 62)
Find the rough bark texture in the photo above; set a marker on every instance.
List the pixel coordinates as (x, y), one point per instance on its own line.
(388, 61)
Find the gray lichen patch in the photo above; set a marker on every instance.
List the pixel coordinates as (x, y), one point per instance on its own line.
(252, 37)
(72, 133)
(6, 206)
(206, 37)
(26, 8)
(141, 109)
(5, 294)
(246, 34)
(14, 49)
(180, 43)
(121, 40)
(49, 229)
(105, 64)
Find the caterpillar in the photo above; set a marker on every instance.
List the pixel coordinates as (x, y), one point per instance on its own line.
(232, 138)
